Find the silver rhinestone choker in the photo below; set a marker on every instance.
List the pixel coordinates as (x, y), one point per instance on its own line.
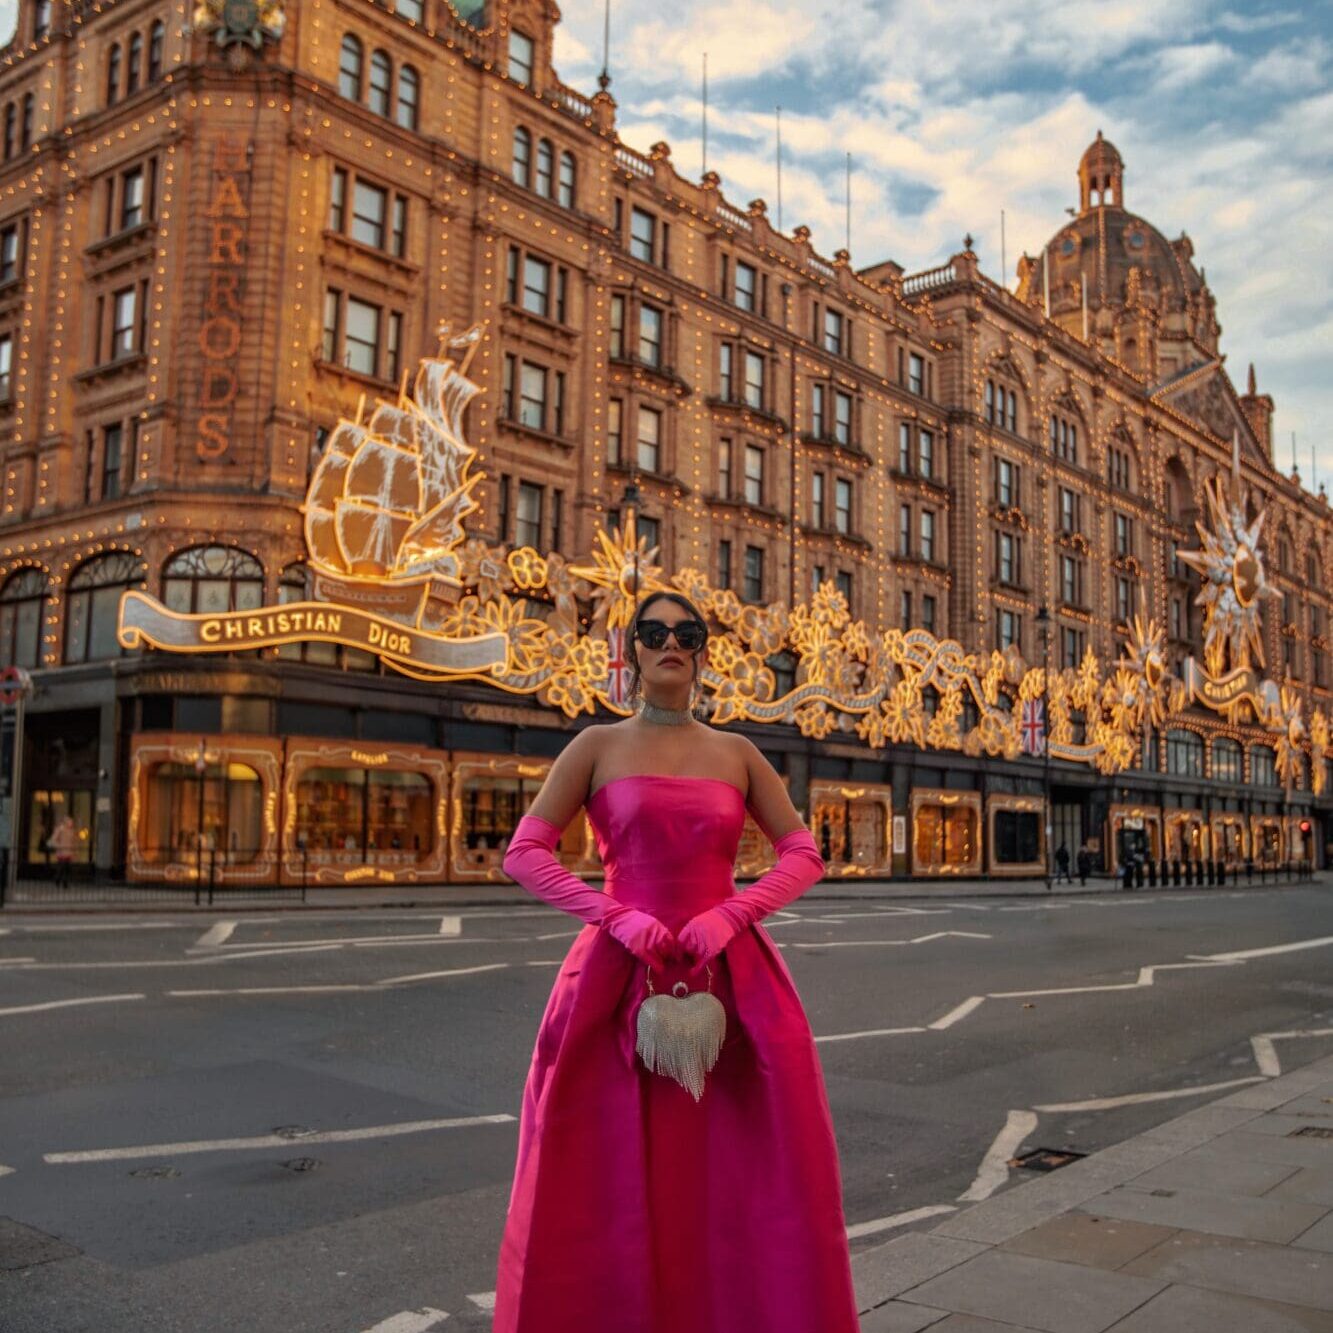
(650, 712)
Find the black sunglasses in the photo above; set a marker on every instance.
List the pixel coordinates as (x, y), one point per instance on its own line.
(690, 634)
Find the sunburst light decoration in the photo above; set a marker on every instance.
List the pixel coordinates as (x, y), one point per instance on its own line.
(1234, 582)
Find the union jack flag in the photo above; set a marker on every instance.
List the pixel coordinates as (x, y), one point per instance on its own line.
(1032, 726)
(617, 667)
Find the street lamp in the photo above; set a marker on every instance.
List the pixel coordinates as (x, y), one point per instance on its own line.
(1044, 621)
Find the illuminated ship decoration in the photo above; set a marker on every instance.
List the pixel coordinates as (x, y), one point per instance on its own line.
(395, 572)
(385, 508)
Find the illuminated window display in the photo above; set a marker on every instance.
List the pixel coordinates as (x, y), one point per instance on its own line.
(1186, 836)
(1136, 834)
(227, 795)
(352, 815)
(851, 824)
(946, 833)
(1231, 842)
(1267, 839)
(489, 807)
(45, 810)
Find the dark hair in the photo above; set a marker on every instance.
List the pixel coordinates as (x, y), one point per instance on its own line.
(632, 639)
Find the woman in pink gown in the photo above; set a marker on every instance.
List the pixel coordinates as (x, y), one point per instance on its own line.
(634, 1208)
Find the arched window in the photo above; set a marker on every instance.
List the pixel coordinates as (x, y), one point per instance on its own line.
(21, 602)
(133, 62)
(1002, 404)
(545, 180)
(156, 36)
(1227, 766)
(566, 180)
(25, 127)
(1120, 462)
(349, 68)
(92, 604)
(1184, 753)
(381, 83)
(409, 97)
(113, 74)
(522, 157)
(1311, 570)
(211, 580)
(1064, 432)
(11, 119)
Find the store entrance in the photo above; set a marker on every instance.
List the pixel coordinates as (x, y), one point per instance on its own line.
(59, 782)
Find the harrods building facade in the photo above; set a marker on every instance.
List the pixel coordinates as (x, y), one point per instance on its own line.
(210, 253)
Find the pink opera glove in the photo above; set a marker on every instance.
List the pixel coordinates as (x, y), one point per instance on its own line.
(530, 859)
(799, 867)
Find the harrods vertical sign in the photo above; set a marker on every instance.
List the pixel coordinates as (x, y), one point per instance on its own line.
(227, 225)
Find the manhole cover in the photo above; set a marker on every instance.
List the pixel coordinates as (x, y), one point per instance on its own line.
(301, 1163)
(155, 1173)
(1045, 1159)
(1312, 1132)
(292, 1131)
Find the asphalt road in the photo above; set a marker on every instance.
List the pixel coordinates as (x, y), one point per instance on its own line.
(306, 1122)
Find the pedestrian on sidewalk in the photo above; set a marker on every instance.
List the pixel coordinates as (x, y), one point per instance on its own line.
(676, 1165)
(62, 844)
(1084, 863)
(1062, 864)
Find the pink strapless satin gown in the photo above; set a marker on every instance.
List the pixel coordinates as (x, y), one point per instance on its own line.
(633, 1209)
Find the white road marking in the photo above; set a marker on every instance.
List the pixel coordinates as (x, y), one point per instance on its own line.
(434, 937)
(869, 1032)
(218, 933)
(483, 1300)
(450, 972)
(958, 1013)
(1146, 977)
(268, 990)
(1265, 1053)
(65, 1004)
(544, 962)
(878, 1224)
(556, 935)
(6, 1170)
(1241, 954)
(451, 925)
(1036, 907)
(1137, 1098)
(271, 1140)
(34, 927)
(9, 962)
(206, 960)
(857, 944)
(994, 1169)
(411, 1321)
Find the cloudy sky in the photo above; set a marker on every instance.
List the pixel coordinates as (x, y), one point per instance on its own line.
(955, 109)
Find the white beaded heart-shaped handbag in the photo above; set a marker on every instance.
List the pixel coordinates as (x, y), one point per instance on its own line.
(680, 1035)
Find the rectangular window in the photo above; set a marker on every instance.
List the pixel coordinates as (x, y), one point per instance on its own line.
(642, 226)
(532, 396)
(905, 530)
(131, 198)
(904, 448)
(521, 51)
(1006, 483)
(927, 535)
(754, 474)
(362, 339)
(724, 468)
(842, 505)
(536, 285)
(650, 439)
(926, 454)
(332, 314)
(369, 210)
(650, 336)
(528, 517)
(724, 563)
(1010, 629)
(745, 286)
(928, 614)
(122, 322)
(1008, 558)
(1068, 510)
(817, 411)
(507, 390)
(1124, 598)
(112, 437)
(511, 276)
(617, 326)
(754, 380)
(916, 374)
(843, 581)
(726, 381)
(9, 253)
(905, 610)
(393, 346)
(338, 199)
(833, 332)
(398, 232)
(615, 415)
(816, 579)
(1177, 619)
(1071, 647)
(1124, 535)
(842, 422)
(558, 405)
(6, 366)
(817, 515)
(1071, 580)
(754, 574)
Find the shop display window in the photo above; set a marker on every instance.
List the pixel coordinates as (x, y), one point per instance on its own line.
(1017, 837)
(189, 811)
(1268, 842)
(45, 810)
(1231, 841)
(491, 806)
(355, 815)
(945, 836)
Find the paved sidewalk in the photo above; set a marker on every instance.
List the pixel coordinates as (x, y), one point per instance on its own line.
(1220, 1221)
(447, 896)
